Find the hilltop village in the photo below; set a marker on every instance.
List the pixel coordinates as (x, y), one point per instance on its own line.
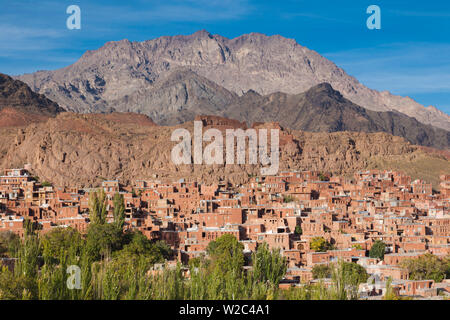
(288, 211)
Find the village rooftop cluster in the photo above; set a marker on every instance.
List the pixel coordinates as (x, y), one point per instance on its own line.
(286, 211)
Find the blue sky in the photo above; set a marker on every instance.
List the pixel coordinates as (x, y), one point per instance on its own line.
(409, 56)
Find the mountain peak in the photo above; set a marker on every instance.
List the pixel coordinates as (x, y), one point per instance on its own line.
(324, 88)
(250, 93)
(267, 64)
(203, 33)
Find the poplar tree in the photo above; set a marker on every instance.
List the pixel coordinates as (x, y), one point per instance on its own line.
(119, 210)
(97, 207)
(268, 265)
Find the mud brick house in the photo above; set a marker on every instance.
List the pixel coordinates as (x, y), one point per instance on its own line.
(387, 271)
(15, 177)
(412, 246)
(445, 186)
(367, 261)
(279, 239)
(293, 257)
(12, 223)
(313, 258)
(397, 258)
(437, 227)
(419, 186)
(299, 274)
(423, 288)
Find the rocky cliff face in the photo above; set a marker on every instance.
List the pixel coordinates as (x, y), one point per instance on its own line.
(19, 105)
(126, 75)
(84, 149)
(178, 97)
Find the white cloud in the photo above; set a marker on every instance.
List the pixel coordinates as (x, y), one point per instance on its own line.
(402, 68)
(16, 41)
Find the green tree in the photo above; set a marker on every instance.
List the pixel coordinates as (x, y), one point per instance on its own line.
(66, 241)
(225, 269)
(102, 240)
(140, 245)
(61, 247)
(29, 227)
(12, 286)
(119, 210)
(27, 265)
(427, 267)
(321, 271)
(164, 248)
(97, 207)
(377, 250)
(347, 277)
(355, 274)
(46, 184)
(226, 253)
(298, 230)
(9, 244)
(268, 265)
(319, 244)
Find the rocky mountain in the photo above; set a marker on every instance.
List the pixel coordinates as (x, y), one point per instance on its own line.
(323, 109)
(19, 105)
(180, 95)
(84, 149)
(118, 74)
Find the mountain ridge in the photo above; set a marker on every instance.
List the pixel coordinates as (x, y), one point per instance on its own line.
(19, 105)
(180, 95)
(323, 109)
(265, 64)
(16, 94)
